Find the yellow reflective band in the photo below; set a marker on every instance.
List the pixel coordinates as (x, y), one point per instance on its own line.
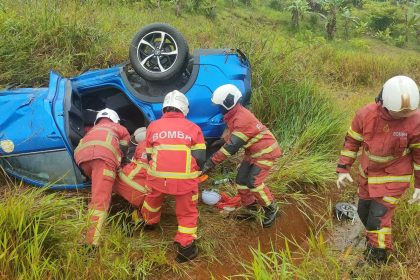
(194, 197)
(390, 199)
(414, 146)
(135, 171)
(149, 150)
(381, 236)
(241, 136)
(150, 208)
(265, 151)
(416, 166)
(187, 230)
(84, 145)
(226, 153)
(109, 173)
(141, 164)
(348, 153)
(353, 134)
(130, 182)
(198, 147)
(379, 158)
(361, 172)
(259, 188)
(266, 162)
(389, 179)
(174, 175)
(99, 223)
(255, 139)
(123, 143)
(241, 187)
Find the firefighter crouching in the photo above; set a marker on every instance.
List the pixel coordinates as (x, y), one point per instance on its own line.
(388, 134)
(177, 151)
(131, 178)
(99, 156)
(244, 130)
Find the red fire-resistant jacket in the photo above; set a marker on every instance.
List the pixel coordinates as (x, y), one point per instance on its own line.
(103, 142)
(134, 173)
(390, 150)
(172, 143)
(245, 130)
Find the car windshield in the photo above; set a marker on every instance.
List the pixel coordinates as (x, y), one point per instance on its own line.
(47, 167)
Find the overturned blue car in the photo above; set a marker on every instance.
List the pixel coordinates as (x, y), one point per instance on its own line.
(40, 127)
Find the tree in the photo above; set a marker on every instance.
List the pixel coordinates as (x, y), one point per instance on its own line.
(348, 20)
(298, 8)
(330, 9)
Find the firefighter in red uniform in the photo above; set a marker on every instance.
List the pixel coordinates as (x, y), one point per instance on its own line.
(131, 178)
(388, 134)
(177, 152)
(99, 156)
(261, 151)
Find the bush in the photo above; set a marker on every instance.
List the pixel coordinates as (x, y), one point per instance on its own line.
(383, 16)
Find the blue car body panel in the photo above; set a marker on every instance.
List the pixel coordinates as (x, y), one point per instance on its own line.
(34, 119)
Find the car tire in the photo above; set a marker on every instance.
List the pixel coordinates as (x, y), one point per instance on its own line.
(157, 60)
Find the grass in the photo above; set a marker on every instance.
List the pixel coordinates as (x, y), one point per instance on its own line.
(305, 89)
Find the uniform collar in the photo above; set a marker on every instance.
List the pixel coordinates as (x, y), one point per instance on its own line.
(173, 115)
(232, 111)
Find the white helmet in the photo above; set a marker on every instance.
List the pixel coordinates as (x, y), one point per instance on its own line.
(227, 96)
(108, 113)
(400, 93)
(210, 197)
(177, 100)
(140, 134)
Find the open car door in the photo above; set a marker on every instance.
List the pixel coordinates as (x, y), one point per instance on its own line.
(32, 144)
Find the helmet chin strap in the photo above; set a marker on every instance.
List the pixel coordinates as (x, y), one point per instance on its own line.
(378, 99)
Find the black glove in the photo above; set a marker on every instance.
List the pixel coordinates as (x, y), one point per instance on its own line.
(209, 165)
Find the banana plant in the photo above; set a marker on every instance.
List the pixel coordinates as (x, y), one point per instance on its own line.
(298, 8)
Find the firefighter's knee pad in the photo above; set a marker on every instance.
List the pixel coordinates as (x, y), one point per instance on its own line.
(377, 211)
(363, 210)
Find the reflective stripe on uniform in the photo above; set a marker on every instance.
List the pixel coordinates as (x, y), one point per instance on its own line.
(198, 147)
(348, 153)
(265, 151)
(389, 179)
(390, 199)
(225, 152)
(123, 142)
(109, 173)
(187, 230)
(241, 187)
(353, 134)
(385, 159)
(194, 197)
(416, 166)
(150, 208)
(261, 192)
(101, 215)
(414, 146)
(266, 162)
(131, 183)
(381, 236)
(241, 136)
(174, 175)
(255, 139)
(106, 144)
(149, 150)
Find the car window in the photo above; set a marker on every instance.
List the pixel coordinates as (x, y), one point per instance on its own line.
(54, 167)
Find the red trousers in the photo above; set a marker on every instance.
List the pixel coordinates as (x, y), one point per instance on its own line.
(103, 176)
(250, 183)
(186, 214)
(376, 214)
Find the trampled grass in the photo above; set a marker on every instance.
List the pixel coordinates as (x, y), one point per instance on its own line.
(299, 80)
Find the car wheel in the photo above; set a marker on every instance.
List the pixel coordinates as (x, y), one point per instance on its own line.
(159, 52)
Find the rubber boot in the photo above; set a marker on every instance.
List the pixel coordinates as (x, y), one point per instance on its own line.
(186, 253)
(375, 256)
(270, 213)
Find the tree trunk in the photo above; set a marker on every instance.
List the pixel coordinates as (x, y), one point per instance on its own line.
(295, 18)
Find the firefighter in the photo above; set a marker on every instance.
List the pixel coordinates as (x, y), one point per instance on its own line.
(99, 155)
(261, 151)
(131, 178)
(388, 134)
(176, 149)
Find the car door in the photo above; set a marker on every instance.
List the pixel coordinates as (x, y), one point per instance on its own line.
(32, 146)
